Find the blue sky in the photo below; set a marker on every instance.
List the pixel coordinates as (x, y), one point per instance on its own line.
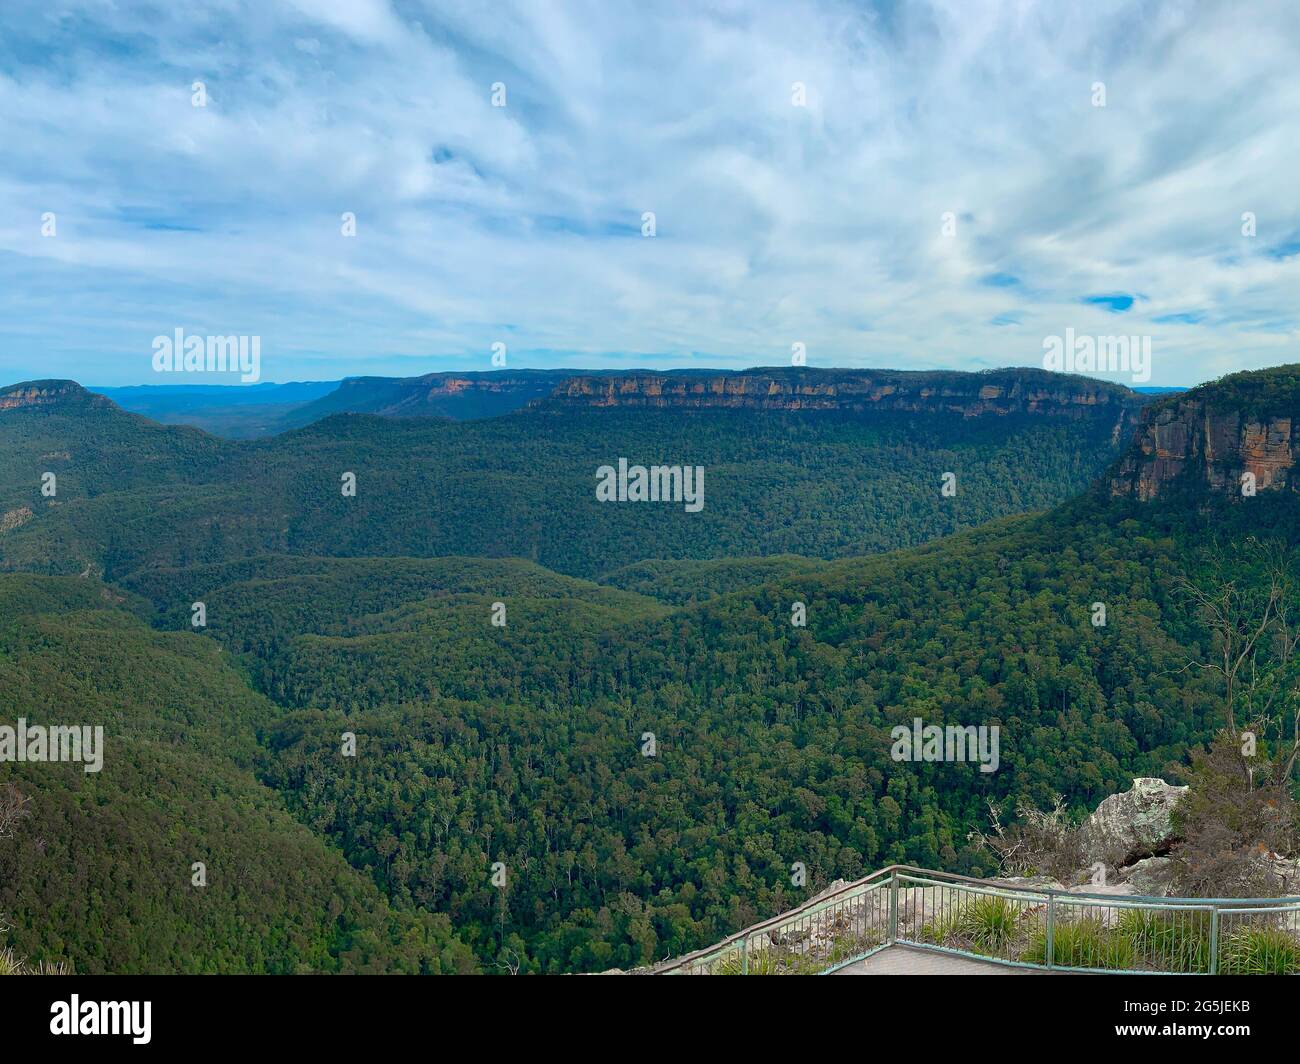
(776, 224)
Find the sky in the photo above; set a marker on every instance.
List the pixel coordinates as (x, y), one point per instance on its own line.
(909, 185)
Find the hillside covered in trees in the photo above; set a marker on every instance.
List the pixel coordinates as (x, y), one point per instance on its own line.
(97, 869)
(611, 746)
(824, 483)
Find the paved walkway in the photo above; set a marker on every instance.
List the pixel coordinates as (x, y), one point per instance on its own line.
(904, 960)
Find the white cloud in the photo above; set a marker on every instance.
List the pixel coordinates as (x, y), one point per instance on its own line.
(776, 223)
(371, 21)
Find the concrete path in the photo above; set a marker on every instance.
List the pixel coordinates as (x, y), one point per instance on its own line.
(904, 960)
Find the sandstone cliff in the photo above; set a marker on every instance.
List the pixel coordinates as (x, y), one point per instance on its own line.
(967, 395)
(1208, 438)
(38, 394)
(460, 396)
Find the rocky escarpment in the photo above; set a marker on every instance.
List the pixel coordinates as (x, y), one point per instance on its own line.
(460, 396)
(1129, 845)
(430, 390)
(1210, 438)
(41, 394)
(991, 393)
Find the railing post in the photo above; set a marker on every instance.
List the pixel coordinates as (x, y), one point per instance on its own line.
(893, 907)
(1051, 928)
(744, 955)
(1214, 940)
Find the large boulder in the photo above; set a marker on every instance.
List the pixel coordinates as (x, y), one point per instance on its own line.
(1032, 882)
(1109, 887)
(1152, 877)
(1130, 826)
(1284, 874)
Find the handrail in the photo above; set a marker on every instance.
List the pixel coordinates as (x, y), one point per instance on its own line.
(990, 886)
(779, 920)
(890, 874)
(1002, 884)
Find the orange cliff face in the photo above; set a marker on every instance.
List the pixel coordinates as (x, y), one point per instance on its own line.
(45, 393)
(436, 385)
(445, 384)
(999, 392)
(1191, 443)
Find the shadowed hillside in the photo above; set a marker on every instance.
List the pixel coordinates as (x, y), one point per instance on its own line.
(821, 482)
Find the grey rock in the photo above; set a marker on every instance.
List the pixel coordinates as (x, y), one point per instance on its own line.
(1129, 826)
(1151, 876)
(1032, 882)
(1284, 874)
(1112, 887)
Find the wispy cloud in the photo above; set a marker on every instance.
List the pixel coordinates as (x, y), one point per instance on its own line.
(776, 223)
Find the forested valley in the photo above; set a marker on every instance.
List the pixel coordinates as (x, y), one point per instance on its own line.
(611, 705)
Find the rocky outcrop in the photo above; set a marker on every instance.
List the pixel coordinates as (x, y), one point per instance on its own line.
(459, 396)
(1129, 846)
(1151, 877)
(967, 395)
(1002, 392)
(11, 519)
(38, 394)
(1207, 439)
(1285, 872)
(1129, 826)
(437, 389)
(1032, 882)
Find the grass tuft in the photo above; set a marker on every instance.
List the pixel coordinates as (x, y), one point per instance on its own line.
(1260, 951)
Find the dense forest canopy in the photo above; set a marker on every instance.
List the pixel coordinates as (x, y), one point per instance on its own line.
(132, 495)
(614, 707)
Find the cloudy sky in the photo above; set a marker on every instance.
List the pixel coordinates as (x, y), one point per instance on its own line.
(777, 219)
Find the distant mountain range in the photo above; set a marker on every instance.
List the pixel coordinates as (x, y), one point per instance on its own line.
(253, 411)
(815, 462)
(235, 412)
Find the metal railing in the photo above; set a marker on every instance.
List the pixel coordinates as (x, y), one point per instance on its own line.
(990, 920)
